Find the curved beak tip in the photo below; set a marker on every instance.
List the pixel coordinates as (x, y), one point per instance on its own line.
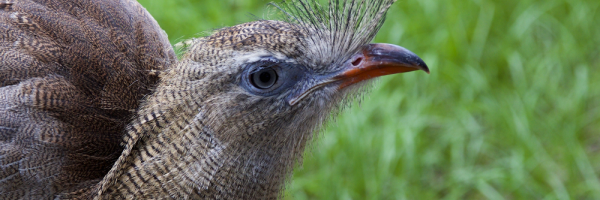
(395, 55)
(424, 67)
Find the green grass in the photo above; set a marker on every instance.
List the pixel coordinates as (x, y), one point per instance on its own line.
(511, 109)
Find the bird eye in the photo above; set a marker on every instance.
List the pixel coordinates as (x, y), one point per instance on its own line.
(264, 79)
(269, 76)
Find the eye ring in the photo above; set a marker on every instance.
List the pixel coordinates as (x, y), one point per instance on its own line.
(264, 78)
(276, 77)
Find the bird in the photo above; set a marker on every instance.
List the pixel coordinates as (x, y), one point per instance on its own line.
(95, 104)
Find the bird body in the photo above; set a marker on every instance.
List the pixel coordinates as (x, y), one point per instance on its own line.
(226, 121)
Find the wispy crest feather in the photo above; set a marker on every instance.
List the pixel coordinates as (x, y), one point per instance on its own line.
(339, 28)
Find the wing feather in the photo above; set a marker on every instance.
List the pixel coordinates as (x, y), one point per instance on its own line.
(72, 73)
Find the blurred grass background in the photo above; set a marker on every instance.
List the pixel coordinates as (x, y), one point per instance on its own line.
(511, 109)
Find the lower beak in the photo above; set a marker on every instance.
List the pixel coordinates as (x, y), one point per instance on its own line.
(378, 60)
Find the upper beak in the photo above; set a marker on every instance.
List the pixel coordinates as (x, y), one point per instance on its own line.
(372, 61)
(378, 60)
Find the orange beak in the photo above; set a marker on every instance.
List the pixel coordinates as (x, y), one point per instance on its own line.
(374, 60)
(378, 60)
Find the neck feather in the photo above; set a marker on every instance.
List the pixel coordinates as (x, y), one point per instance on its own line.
(172, 153)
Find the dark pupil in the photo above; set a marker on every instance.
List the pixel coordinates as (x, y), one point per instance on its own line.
(265, 77)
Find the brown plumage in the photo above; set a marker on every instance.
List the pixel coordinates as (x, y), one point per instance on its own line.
(94, 103)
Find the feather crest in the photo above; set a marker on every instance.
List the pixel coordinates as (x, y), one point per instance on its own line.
(338, 29)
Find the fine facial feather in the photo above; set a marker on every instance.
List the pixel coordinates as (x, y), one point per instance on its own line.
(244, 132)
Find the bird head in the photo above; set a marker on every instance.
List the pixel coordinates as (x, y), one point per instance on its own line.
(260, 89)
(235, 113)
(274, 82)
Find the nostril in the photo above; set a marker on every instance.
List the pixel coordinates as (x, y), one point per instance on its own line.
(357, 61)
